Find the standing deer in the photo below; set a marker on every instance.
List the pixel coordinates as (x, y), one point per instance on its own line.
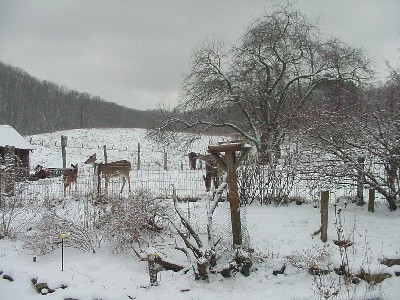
(211, 171)
(113, 169)
(70, 176)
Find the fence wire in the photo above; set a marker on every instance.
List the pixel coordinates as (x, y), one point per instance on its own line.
(187, 184)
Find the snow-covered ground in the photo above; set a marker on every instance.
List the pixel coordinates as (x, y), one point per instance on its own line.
(278, 235)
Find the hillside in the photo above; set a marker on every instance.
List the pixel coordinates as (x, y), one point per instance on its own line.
(121, 143)
(34, 106)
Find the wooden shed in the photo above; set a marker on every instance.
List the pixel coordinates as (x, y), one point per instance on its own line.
(11, 140)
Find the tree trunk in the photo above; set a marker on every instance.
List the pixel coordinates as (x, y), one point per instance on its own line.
(202, 268)
(360, 181)
(269, 151)
(391, 199)
(371, 200)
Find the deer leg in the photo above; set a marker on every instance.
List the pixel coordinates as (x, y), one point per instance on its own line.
(129, 183)
(98, 184)
(65, 183)
(207, 181)
(216, 181)
(106, 184)
(123, 183)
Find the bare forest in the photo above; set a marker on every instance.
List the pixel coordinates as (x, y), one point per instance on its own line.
(34, 106)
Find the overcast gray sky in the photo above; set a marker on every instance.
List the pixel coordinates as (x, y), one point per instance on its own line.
(136, 52)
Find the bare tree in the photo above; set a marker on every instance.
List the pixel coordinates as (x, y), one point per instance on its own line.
(393, 89)
(256, 89)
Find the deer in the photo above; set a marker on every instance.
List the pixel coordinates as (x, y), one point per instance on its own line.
(211, 171)
(192, 160)
(42, 172)
(70, 176)
(113, 169)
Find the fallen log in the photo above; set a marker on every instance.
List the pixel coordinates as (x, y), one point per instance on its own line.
(373, 278)
(390, 261)
(318, 271)
(160, 261)
(168, 265)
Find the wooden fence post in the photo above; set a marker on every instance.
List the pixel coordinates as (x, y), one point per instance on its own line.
(105, 153)
(371, 200)
(64, 141)
(324, 215)
(138, 156)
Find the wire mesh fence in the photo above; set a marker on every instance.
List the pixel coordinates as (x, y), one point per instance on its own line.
(180, 182)
(186, 184)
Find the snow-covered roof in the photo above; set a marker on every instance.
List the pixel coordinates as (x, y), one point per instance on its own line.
(10, 137)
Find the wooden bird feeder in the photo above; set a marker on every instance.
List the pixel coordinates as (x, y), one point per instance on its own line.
(225, 155)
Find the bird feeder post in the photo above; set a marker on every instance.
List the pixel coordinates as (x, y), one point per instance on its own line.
(62, 237)
(229, 163)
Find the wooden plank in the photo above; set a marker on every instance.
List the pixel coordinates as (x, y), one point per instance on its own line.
(225, 147)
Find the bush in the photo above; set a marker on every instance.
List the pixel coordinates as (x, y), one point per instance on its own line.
(132, 219)
(45, 237)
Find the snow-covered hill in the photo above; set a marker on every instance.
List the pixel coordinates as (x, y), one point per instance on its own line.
(120, 144)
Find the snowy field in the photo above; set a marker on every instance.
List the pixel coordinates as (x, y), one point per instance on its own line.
(278, 236)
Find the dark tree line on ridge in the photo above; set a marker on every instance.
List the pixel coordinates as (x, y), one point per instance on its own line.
(34, 106)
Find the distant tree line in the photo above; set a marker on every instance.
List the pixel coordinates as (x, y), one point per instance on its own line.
(34, 106)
